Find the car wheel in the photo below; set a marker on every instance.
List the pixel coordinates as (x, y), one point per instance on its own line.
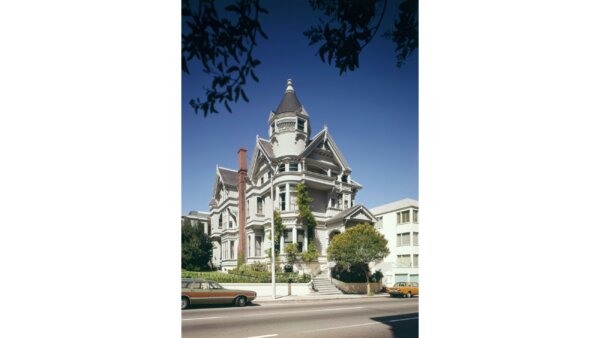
(409, 294)
(185, 302)
(241, 301)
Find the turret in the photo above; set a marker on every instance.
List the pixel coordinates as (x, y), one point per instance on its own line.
(289, 125)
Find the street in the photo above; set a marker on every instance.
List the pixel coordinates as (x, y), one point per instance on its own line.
(361, 317)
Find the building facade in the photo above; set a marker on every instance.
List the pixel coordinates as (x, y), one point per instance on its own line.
(198, 219)
(399, 223)
(242, 202)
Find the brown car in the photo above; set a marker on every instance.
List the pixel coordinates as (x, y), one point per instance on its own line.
(404, 289)
(200, 291)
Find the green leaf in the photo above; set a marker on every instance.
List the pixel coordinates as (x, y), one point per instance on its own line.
(253, 76)
(244, 96)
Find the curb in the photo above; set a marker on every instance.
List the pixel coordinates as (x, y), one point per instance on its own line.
(313, 298)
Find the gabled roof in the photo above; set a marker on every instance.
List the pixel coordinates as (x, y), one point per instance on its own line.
(229, 177)
(264, 147)
(349, 213)
(289, 102)
(267, 148)
(320, 137)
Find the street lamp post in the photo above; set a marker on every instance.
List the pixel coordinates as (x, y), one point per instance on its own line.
(273, 237)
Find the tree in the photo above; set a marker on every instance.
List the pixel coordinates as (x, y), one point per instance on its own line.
(349, 25)
(224, 47)
(196, 248)
(306, 217)
(358, 246)
(224, 44)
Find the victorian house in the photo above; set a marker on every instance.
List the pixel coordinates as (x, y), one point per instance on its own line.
(242, 199)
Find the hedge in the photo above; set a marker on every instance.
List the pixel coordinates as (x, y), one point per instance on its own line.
(249, 277)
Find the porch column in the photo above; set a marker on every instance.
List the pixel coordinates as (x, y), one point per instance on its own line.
(294, 235)
(252, 245)
(305, 245)
(281, 244)
(206, 228)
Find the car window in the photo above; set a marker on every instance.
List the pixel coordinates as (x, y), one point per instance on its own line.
(214, 285)
(204, 286)
(184, 284)
(195, 285)
(401, 284)
(414, 284)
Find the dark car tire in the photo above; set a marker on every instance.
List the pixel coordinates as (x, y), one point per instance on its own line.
(241, 301)
(409, 294)
(185, 303)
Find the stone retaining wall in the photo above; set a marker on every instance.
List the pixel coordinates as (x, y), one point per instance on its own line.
(266, 289)
(359, 288)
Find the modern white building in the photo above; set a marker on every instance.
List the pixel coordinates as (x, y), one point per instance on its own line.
(240, 208)
(399, 223)
(198, 219)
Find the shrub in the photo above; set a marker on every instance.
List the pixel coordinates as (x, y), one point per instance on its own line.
(354, 275)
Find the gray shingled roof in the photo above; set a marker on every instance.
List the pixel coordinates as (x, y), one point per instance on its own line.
(289, 103)
(268, 147)
(343, 214)
(229, 177)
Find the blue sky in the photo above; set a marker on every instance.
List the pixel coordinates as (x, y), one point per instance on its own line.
(371, 113)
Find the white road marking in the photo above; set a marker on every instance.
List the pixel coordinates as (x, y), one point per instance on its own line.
(342, 327)
(267, 335)
(203, 318)
(347, 326)
(397, 320)
(290, 312)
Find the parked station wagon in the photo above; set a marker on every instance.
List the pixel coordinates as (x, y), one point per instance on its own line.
(200, 291)
(404, 289)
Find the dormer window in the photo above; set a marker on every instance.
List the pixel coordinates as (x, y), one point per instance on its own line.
(272, 128)
(300, 124)
(293, 166)
(344, 178)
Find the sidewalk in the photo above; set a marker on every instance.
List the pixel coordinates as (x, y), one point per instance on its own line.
(312, 297)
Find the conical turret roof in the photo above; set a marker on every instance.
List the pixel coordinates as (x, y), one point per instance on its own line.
(289, 102)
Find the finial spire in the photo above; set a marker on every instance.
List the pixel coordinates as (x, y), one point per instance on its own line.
(289, 86)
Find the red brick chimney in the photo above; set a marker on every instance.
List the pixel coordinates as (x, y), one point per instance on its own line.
(242, 172)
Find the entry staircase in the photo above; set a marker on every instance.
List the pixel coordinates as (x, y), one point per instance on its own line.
(322, 286)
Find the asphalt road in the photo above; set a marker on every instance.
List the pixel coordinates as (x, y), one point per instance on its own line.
(362, 317)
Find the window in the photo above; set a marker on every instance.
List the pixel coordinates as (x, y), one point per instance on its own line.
(258, 246)
(301, 124)
(293, 166)
(415, 261)
(288, 237)
(230, 224)
(379, 222)
(403, 217)
(344, 178)
(231, 250)
(281, 168)
(403, 261)
(415, 238)
(403, 239)
(220, 221)
(282, 199)
(247, 208)
(272, 128)
(345, 204)
(262, 180)
(415, 216)
(259, 205)
(269, 174)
